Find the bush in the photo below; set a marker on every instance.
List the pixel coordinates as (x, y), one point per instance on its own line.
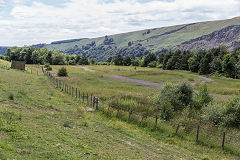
(213, 113)
(62, 72)
(172, 98)
(202, 98)
(231, 113)
(152, 64)
(47, 67)
(166, 110)
(185, 94)
(135, 62)
(227, 115)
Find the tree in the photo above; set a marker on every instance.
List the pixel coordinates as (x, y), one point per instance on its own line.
(109, 60)
(127, 61)
(83, 61)
(193, 64)
(118, 60)
(148, 59)
(229, 65)
(216, 65)
(161, 58)
(205, 64)
(173, 62)
(92, 61)
(165, 59)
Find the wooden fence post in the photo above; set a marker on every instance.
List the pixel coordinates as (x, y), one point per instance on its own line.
(93, 101)
(76, 92)
(177, 128)
(197, 137)
(87, 98)
(156, 120)
(223, 140)
(97, 104)
(72, 91)
(83, 96)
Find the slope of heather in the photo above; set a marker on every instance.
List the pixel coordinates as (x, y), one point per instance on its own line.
(229, 36)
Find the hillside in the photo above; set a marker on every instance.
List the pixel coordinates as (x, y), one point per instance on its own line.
(229, 37)
(3, 50)
(141, 42)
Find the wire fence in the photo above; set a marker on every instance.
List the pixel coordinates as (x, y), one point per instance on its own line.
(205, 135)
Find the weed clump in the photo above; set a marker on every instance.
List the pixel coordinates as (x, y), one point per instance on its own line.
(11, 96)
(67, 124)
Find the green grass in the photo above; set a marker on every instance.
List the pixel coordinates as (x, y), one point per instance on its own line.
(44, 123)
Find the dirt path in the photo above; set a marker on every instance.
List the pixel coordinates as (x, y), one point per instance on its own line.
(159, 85)
(205, 79)
(86, 69)
(121, 78)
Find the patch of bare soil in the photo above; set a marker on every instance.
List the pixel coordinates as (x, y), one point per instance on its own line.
(121, 78)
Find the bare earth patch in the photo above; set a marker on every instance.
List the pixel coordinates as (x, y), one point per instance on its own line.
(88, 109)
(121, 78)
(87, 69)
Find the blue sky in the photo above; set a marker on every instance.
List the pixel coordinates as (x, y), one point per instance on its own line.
(25, 22)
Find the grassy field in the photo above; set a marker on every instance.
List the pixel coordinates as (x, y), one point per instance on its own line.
(103, 84)
(41, 122)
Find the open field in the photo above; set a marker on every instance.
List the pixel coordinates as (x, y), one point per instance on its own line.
(105, 80)
(44, 123)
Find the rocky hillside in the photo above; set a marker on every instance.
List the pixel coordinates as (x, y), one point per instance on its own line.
(187, 36)
(229, 36)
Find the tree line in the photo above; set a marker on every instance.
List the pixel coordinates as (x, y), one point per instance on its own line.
(217, 60)
(35, 55)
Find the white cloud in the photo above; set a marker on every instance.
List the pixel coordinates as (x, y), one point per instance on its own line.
(38, 22)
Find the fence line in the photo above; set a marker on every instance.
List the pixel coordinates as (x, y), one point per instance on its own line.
(94, 102)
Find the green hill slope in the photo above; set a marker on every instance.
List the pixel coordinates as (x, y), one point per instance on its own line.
(151, 39)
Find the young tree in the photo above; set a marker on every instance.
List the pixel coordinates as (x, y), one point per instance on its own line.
(127, 61)
(118, 60)
(205, 64)
(148, 59)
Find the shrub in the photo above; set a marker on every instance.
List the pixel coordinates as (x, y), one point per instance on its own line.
(231, 112)
(135, 62)
(152, 64)
(166, 110)
(67, 124)
(202, 98)
(167, 93)
(185, 94)
(47, 67)
(227, 115)
(213, 113)
(62, 72)
(11, 96)
(179, 96)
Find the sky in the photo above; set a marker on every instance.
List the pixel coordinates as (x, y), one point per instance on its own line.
(26, 22)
